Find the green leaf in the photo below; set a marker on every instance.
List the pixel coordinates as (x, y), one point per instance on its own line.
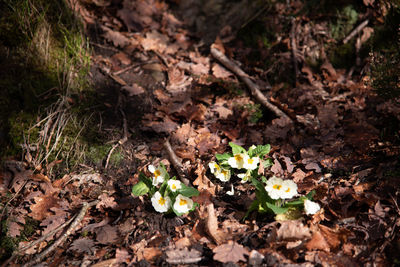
(268, 163)
(236, 149)
(140, 189)
(222, 157)
(275, 209)
(146, 180)
(188, 191)
(253, 207)
(260, 151)
(165, 170)
(310, 195)
(297, 202)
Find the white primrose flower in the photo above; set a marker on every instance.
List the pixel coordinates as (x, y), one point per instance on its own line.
(250, 163)
(160, 203)
(183, 204)
(214, 167)
(274, 187)
(224, 175)
(289, 189)
(174, 185)
(311, 207)
(237, 161)
(158, 174)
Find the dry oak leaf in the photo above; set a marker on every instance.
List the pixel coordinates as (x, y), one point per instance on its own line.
(117, 38)
(230, 252)
(122, 255)
(220, 72)
(42, 206)
(14, 228)
(106, 234)
(106, 202)
(83, 245)
(202, 182)
(292, 231)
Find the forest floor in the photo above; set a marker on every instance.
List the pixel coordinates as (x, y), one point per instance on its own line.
(159, 77)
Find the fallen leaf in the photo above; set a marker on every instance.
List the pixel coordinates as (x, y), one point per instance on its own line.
(83, 245)
(106, 234)
(292, 231)
(183, 256)
(122, 255)
(106, 201)
(318, 242)
(14, 228)
(155, 41)
(230, 252)
(220, 72)
(202, 182)
(212, 225)
(117, 38)
(41, 208)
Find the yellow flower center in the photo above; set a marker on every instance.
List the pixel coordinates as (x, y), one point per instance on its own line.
(173, 186)
(277, 186)
(287, 190)
(161, 201)
(224, 172)
(182, 202)
(250, 161)
(157, 173)
(216, 166)
(238, 157)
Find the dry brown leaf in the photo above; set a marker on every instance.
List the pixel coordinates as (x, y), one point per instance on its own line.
(117, 38)
(220, 72)
(122, 58)
(331, 236)
(222, 111)
(106, 202)
(202, 182)
(212, 225)
(183, 256)
(106, 234)
(83, 245)
(292, 231)
(177, 80)
(122, 255)
(230, 252)
(150, 253)
(206, 142)
(318, 242)
(155, 41)
(14, 228)
(42, 206)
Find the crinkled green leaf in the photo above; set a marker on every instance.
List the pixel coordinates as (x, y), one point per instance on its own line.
(222, 157)
(268, 163)
(236, 149)
(275, 209)
(188, 191)
(260, 151)
(143, 178)
(140, 189)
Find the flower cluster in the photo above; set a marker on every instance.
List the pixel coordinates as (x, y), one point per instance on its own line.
(239, 159)
(274, 194)
(171, 195)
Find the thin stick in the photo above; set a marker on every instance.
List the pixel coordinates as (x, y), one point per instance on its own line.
(355, 31)
(176, 162)
(254, 89)
(79, 217)
(122, 140)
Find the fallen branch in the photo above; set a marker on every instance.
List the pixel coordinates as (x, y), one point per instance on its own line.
(79, 217)
(254, 88)
(355, 31)
(176, 162)
(121, 141)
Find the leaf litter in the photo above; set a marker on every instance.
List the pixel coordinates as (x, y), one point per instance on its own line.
(333, 146)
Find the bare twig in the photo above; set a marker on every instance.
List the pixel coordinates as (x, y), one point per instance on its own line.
(122, 140)
(254, 88)
(79, 217)
(355, 31)
(176, 162)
